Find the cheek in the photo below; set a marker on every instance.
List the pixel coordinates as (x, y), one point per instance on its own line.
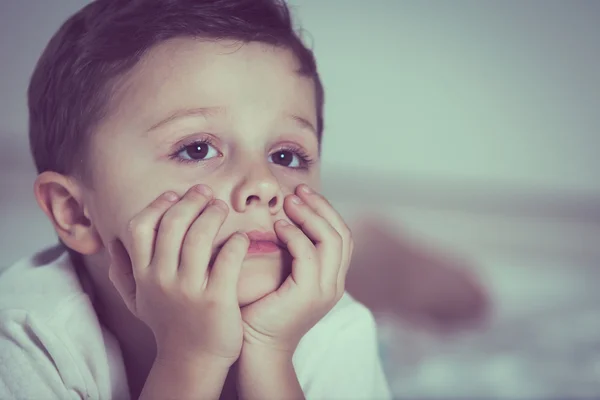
(114, 206)
(125, 182)
(288, 181)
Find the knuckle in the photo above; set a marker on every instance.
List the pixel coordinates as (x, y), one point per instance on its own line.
(189, 292)
(216, 218)
(159, 203)
(198, 199)
(311, 252)
(334, 235)
(347, 234)
(200, 237)
(159, 281)
(296, 233)
(212, 306)
(139, 226)
(228, 254)
(171, 220)
(195, 196)
(219, 209)
(212, 218)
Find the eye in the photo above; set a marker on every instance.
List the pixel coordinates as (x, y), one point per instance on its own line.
(194, 152)
(291, 158)
(285, 158)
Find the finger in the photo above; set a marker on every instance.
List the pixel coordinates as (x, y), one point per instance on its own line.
(322, 207)
(142, 229)
(120, 273)
(305, 266)
(343, 273)
(328, 241)
(225, 272)
(197, 248)
(173, 228)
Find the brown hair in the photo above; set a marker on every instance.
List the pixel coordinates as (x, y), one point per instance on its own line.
(78, 71)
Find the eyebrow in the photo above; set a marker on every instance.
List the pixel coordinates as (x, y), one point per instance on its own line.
(304, 123)
(207, 112)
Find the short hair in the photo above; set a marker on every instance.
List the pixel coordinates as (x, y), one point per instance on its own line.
(71, 86)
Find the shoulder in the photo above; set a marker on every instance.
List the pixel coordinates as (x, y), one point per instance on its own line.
(40, 283)
(51, 341)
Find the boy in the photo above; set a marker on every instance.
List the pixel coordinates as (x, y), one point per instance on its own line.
(178, 145)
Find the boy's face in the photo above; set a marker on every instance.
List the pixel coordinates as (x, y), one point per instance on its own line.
(247, 118)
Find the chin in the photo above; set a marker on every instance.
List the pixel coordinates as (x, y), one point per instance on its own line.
(260, 277)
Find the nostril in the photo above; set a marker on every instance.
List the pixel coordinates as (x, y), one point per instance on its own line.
(250, 199)
(273, 202)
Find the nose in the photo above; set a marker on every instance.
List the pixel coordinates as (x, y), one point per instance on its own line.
(258, 188)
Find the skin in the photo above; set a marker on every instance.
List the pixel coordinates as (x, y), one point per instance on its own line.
(184, 299)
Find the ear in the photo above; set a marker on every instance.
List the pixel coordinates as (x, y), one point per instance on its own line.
(60, 198)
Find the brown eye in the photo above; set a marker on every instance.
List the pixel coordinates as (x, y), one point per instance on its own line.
(198, 151)
(285, 158)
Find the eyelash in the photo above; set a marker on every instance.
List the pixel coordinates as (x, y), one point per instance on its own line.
(175, 155)
(305, 159)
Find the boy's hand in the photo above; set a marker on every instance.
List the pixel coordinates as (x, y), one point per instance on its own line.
(321, 248)
(193, 312)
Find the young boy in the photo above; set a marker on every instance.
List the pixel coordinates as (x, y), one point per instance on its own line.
(178, 150)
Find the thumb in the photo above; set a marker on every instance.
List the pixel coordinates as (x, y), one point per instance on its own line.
(226, 269)
(120, 273)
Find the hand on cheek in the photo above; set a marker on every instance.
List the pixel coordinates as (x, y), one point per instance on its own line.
(321, 247)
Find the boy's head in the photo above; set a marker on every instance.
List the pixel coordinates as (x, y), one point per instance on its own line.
(134, 98)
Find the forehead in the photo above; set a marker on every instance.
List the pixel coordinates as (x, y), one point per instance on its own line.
(195, 73)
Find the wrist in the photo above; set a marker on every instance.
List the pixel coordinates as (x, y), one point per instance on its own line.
(278, 355)
(267, 373)
(172, 376)
(191, 361)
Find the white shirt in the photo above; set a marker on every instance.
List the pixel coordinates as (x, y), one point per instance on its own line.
(52, 345)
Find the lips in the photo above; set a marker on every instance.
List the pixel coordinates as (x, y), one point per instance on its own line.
(263, 243)
(262, 236)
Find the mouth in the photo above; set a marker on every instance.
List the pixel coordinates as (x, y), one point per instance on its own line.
(264, 243)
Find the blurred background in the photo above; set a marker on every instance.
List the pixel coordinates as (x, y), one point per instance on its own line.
(469, 131)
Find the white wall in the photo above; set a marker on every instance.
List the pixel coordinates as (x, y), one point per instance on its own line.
(490, 90)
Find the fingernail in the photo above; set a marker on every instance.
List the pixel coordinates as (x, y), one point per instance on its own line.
(170, 196)
(296, 200)
(283, 222)
(203, 189)
(306, 189)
